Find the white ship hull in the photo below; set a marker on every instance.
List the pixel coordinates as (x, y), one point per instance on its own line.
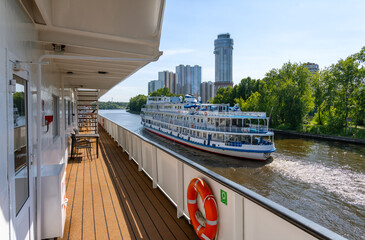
(258, 152)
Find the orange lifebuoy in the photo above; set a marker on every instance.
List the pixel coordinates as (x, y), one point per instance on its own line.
(196, 186)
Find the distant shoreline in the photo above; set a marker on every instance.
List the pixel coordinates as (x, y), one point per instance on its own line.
(323, 137)
(112, 108)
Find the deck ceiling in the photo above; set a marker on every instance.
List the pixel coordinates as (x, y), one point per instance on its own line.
(107, 28)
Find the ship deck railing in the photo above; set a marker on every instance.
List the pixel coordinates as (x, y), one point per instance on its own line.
(242, 213)
(209, 113)
(254, 129)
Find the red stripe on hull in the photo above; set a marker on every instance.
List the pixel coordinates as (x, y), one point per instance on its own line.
(186, 144)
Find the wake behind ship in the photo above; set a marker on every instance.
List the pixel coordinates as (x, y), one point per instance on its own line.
(215, 128)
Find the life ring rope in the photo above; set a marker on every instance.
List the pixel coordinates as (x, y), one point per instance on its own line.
(196, 186)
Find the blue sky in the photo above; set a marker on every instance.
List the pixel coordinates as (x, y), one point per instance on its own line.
(266, 34)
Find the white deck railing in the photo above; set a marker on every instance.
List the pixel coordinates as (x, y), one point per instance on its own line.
(247, 215)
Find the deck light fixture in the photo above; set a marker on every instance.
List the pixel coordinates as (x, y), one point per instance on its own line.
(58, 48)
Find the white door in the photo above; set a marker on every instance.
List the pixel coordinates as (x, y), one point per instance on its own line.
(20, 169)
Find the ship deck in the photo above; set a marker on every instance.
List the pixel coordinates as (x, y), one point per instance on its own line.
(110, 199)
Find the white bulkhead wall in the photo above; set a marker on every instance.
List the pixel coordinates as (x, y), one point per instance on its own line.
(16, 34)
(19, 37)
(52, 152)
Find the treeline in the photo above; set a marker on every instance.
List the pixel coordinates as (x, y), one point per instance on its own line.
(330, 99)
(112, 105)
(135, 103)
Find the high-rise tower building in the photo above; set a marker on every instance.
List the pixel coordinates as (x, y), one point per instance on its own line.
(312, 67)
(154, 85)
(206, 91)
(169, 80)
(188, 79)
(223, 47)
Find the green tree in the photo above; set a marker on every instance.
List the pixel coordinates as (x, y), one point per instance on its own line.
(225, 95)
(359, 106)
(251, 104)
(136, 103)
(289, 94)
(319, 89)
(347, 77)
(162, 92)
(247, 86)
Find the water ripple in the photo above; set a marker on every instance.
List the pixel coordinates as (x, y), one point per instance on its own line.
(340, 181)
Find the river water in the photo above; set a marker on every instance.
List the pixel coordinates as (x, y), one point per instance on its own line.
(323, 181)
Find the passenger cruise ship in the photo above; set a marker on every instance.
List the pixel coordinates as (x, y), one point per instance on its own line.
(56, 56)
(215, 128)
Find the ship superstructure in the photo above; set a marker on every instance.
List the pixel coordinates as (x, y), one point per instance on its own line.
(216, 128)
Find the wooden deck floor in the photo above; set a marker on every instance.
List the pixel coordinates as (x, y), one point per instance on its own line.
(110, 199)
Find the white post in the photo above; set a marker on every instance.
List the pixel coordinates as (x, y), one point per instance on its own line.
(180, 187)
(130, 146)
(154, 166)
(124, 140)
(139, 155)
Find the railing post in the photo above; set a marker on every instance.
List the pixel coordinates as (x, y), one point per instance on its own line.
(154, 167)
(124, 137)
(127, 143)
(117, 134)
(180, 189)
(139, 155)
(130, 146)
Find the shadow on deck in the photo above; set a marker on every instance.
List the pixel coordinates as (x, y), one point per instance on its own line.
(110, 199)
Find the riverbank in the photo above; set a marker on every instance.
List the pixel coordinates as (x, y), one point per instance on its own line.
(134, 112)
(321, 136)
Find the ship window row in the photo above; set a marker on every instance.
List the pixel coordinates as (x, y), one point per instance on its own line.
(228, 139)
(235, 122)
